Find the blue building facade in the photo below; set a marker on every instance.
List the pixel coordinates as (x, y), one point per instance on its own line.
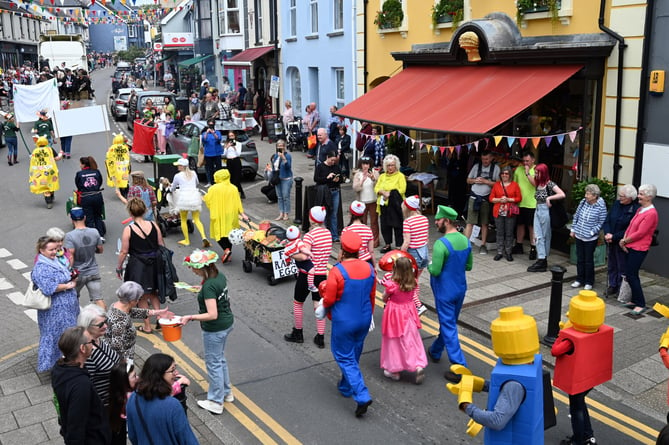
(112, 33)
(318, 54)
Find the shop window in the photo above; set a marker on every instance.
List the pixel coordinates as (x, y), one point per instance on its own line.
(293, 18)
(204, 20)
(393, 21)
(543, 9)
(338, 15)
(228, 17)
(295, 90)
(313, 12)
(340, 87)
(131, 31)
(258, 21)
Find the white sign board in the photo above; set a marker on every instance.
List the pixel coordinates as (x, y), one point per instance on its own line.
(274, 86)
(654, 171)
(76, 121)
(157, 46)
(283, 267)
(177, 39)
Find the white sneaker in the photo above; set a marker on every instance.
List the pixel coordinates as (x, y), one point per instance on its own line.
(576, 284)
(229, 398)
(211, 406)
(421, 310)
(420, 375)
(391, 375)
(588, 287)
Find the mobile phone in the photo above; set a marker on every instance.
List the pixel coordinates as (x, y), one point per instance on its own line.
(74, 274)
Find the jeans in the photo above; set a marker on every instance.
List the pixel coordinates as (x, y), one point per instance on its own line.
(585, 261)
(333, 226)
(283, 194)
(616, 264)
(542, 230)
(506, 236)
(212, 164)
(66, 144)
(580, 419)
(12, 144)
(217, 367)
(634, 260)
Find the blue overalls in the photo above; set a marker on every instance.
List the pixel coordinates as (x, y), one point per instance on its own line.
(449, 289)
(351, 317)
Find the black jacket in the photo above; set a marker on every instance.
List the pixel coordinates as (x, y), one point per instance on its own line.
(82, 418)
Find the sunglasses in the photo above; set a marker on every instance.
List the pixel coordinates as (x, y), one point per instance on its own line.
(99, 325)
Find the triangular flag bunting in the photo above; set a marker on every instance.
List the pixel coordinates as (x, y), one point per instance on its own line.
(476, 146)
(560, 138)
(548, 140)
(572, 135)
(535, 142)
(522, 142)
(510, 140)
(442, 149)
(498, 139)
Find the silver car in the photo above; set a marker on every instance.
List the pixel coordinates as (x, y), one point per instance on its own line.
(118, 103)
(179, 141)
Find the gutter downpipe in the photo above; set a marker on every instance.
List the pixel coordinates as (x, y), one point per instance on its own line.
(619, 89)
(364, 59)
(643, 94)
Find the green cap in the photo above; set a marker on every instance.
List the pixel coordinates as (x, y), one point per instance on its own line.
(446, 212)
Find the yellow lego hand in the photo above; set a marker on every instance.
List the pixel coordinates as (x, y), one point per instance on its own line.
(473, 428)
(662, 309)
(664, 340)
(467, 386)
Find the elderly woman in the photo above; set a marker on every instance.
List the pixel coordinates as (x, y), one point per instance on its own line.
(588, 220)
(121, 333)
(505, 195)
(636, 243)
(288, 115)
(364, 181)
(389, 190)
(216, 320)
(614, 227)
(63, 255)
(54, 280)
(103, 358)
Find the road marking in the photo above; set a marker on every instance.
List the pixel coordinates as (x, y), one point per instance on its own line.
(20, 351)
(4, 253)
(17, 264)
(4, 284)
(197, 371)
(15, 297)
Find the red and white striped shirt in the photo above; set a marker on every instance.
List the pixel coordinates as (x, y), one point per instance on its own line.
(419, 227)
(293, 247)
(319, 241)
(366, 235)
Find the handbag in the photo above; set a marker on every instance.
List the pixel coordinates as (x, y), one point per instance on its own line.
(625, 292)
(311, 142)
(511, 208)
(200, 157)
(34, 298)
(274, 179)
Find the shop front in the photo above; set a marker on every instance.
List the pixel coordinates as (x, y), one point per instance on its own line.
(491, 88)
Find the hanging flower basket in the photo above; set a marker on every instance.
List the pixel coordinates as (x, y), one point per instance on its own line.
(390, 16)
(448, 11)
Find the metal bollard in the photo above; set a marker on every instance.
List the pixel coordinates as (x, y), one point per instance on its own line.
(555, 308)
(298, 200)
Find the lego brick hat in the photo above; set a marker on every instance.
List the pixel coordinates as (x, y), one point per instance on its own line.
(200, 258)
(446, 212)
(357, 208)
(292, 233)
(77, 213)
(412, 202)
(350, 241)
(317, 214)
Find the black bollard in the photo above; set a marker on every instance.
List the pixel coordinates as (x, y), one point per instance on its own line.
(555, 309)
(298, 200)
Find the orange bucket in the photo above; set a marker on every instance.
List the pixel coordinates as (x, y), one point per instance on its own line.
(171, 328)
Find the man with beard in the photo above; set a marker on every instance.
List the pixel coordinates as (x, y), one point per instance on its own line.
(451, 257)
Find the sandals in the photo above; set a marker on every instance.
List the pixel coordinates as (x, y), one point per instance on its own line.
(225, 258)
(183, 242)
(638, 311)
(205, 243)
(141, 329)
(387, 248)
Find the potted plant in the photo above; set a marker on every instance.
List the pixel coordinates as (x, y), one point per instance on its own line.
(390, 16)
(609, 194)
(528, 6)
(446, 11)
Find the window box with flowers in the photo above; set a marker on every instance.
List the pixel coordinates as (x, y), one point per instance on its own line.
(390, 16)
(447, 13)
(554, 10)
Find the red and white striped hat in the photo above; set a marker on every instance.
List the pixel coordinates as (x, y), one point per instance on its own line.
(357, 208)
(412, 202)
(317, 214)
(292, 233)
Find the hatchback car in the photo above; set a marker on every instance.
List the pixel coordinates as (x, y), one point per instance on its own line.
(179, 141)
(118, 103)
(137, 103)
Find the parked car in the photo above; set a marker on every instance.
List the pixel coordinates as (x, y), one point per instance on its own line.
(137, 103)
(118, 104)
(179, 141)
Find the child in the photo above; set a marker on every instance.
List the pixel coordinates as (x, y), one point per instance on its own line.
(298, 252)
(401, 345)
(415, 230)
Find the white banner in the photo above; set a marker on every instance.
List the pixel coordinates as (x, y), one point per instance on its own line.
(83, 120)
(30, 99)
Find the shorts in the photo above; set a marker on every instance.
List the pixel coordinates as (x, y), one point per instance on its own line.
(94, 285)
(302, 291)
(526, 217)
(420, 255)
(480, 216)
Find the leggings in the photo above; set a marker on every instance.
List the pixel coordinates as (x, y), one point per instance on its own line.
(196, 220)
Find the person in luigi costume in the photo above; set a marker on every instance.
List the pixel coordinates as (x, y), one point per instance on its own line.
(451, 258)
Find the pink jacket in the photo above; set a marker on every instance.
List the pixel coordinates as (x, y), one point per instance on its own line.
(641, 229)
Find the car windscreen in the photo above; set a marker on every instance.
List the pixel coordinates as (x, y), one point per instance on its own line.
(124, 96)
(158, 101)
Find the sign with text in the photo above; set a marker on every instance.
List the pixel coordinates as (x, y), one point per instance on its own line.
(282, 266)
(177, 39)
(274, 86)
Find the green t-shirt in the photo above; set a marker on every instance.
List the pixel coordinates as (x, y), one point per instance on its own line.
(440, 253)
(216, 288)
(526, 188)
(10, 129)
(43, 127)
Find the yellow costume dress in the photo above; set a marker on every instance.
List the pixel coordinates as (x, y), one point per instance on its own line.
(118, 163)
(43, 173)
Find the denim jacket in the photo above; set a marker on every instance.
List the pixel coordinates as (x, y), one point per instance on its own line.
(285, 167)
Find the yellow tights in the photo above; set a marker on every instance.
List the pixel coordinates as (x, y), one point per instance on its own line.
(184, 226)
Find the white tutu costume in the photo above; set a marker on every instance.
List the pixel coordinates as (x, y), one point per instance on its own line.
(187, 196)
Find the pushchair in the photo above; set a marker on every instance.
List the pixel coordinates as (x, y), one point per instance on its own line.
(295, 139)
(170, 218)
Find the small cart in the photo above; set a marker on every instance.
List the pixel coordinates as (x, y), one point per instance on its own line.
(268, 257)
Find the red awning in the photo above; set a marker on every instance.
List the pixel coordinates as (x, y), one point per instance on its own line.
(471, 99)
(248, 56)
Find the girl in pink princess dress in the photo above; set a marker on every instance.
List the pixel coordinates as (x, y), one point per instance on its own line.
(401, 345)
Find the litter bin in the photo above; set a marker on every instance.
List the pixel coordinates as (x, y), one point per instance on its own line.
(270, 121)
(163, 166)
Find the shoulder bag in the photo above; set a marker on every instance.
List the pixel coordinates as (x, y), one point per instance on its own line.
(274, 178)
(34, 298)
(167, 273)
(512, 208)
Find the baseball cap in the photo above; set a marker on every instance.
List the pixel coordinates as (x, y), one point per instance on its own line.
(77, 213)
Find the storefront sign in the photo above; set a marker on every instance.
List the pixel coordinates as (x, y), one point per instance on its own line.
(282, 266)
(274, 86)
(177, 39)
